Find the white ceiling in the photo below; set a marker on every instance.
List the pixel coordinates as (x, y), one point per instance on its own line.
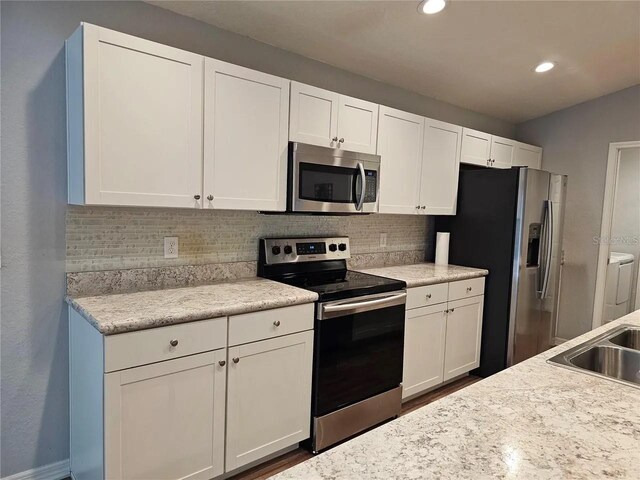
(475, 54)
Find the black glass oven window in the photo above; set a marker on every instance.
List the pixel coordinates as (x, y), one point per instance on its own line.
(326, 183)
(357, 356)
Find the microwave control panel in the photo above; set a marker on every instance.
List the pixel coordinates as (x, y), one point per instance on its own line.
(371, 185)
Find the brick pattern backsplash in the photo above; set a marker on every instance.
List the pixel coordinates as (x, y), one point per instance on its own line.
(106, 238)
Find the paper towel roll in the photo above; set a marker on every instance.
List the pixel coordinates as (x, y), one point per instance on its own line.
(442, 248)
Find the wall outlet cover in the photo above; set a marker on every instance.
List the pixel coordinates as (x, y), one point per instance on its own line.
(170, 247)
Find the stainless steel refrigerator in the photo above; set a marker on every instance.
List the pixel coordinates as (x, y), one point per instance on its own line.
(510, 222)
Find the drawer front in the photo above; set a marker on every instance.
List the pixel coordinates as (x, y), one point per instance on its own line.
(428, 295)
(466, 288)
(255, 326)
(133, 349)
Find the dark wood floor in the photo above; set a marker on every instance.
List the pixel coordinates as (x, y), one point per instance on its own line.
(299, 455)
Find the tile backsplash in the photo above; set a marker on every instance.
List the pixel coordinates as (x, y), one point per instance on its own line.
(107, 238)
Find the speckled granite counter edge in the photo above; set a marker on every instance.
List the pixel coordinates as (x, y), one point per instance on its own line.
(462, 273)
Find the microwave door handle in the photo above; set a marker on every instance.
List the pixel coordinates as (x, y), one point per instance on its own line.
(362, 187)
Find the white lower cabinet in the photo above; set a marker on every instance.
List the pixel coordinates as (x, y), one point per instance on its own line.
(424, 339)
(464, 332)
(166, 420)
(442, 341)
(268, 397)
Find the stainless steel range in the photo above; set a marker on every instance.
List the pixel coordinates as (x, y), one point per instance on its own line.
(359, 335)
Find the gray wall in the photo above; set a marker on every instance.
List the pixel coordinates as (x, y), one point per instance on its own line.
(576, 143)
(34, 378)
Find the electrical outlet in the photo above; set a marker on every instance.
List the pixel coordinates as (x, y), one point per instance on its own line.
(170, 247)
(383, 239)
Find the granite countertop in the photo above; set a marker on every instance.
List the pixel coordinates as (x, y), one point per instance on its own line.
(126, 312)
(531, 421)
(420, 274)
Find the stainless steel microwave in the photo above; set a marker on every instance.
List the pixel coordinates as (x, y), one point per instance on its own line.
(331, 180)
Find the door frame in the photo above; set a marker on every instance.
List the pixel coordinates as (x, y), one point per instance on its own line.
(613, 163)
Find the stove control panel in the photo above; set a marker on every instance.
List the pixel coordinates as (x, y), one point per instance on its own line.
(291, 250)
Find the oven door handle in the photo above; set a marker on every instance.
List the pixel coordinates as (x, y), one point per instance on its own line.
(341, 309)
(362, 187)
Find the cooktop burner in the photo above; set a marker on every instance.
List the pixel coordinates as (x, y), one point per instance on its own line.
(319, 265)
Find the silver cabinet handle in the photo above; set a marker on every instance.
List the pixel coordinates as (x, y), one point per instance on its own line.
(197, 197)
(334, 139)
(341, 140)
(423, 207)
(469, 289)
(418, 207)
(209, 197)
(173, 343)
(277, 323)
(222, 363)
(235, 359)
(428, 296)
(452, 310)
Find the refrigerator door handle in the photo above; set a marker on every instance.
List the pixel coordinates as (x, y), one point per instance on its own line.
(548, 249)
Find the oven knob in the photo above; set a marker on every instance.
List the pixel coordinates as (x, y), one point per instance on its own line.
(287, 249)
(333, 247)
(275, 250)
(342, 247)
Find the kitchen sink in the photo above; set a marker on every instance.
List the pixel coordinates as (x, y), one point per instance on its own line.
(614, 355)
(630, 338)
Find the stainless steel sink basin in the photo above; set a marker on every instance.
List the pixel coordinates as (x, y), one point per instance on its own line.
(629, 339)
(614, 355)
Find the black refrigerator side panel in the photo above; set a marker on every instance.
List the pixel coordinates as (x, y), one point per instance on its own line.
(482, 236)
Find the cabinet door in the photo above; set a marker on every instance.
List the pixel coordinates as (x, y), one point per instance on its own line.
(503, 151)
(476, 147)
(528, 156)
(268, 397)
(166, 420)
(314, 115)
(424, 340)
(246, 125)
(440, 167)
(357, 125)
(464, 332)
(400, 140)
(142, 121)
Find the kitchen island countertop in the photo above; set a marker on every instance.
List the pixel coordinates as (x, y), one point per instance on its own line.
(532, 421)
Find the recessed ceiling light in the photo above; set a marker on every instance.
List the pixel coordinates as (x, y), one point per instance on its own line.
(431, 6)
(545, 67)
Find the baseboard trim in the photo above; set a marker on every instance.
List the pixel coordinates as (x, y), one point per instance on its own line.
(53, 471)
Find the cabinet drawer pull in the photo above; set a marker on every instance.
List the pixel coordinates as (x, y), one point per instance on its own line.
(334, 139)
(235, 359)
(469, 289)
(423, 207)
(197, 197)
(209, 197)
(222, 363)
(341, 140)
(173, 343)
(452, 310)
(276, 323)
(428, 295)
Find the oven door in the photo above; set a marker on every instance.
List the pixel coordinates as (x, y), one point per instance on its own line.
(325, 180)
(358, 350)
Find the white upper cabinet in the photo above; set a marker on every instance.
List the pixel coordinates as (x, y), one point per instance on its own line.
(528, 156)
(357, 125)
(314, 115)
(400, 143)
(476, 147)
(502, 152)
(440, 167)
(134, 114)
(328, 119)
(245, 138)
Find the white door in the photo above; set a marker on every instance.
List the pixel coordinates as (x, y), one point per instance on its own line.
(528, 156)
(440, 167)
(503, 151)
(143, 122)
(246, 129)
(400, 140)
(268, 397)
(424, 340)
(476, 147)
(166, 420)
(314, 116)
(464, 332)
(357, 125)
